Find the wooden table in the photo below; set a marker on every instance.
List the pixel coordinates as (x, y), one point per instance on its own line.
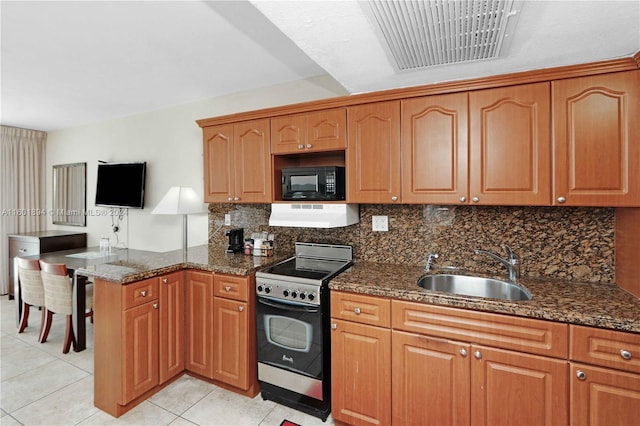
(74, 259)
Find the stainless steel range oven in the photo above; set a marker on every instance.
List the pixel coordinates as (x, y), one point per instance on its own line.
(292, 314)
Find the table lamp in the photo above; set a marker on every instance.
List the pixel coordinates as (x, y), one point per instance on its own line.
(180, 200)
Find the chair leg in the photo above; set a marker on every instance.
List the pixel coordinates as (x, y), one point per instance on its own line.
(46, 327)
(24, 318)
(69, 338)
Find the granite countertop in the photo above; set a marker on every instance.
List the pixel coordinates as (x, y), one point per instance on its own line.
(127, 265)
(598, 305)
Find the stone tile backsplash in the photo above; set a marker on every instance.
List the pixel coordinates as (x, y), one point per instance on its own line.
(554, 242)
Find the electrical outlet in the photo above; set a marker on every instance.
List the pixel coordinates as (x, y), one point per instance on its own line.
(380, 223)
(227, 219)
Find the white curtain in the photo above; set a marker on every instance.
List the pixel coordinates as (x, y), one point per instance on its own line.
(22, 188)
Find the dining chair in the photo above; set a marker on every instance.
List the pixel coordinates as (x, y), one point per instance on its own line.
(58, 299)
(31, 291)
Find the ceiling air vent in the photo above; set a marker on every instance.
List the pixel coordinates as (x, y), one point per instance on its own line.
(421, 34)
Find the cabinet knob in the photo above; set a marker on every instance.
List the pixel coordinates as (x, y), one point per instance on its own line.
(357, 311)
(309, 146)
(143, 293)
(463, 199)
(475, 199)
(22, 250)
(300, 146)
(227, 288)
(463, 352)
(230, 199)
(625, 354)
(581, 375)
(561, 200)
(477, 354)
(236, 198)
(165, 280)
(155, 306)
(394, 198)
(241, 308)
(334, 326)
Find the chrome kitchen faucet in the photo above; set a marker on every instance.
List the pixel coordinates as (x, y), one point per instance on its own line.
(512, 262)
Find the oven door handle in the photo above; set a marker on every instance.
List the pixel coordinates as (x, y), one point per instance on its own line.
(288, 306)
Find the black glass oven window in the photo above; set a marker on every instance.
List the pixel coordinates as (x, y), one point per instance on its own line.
(288, 333)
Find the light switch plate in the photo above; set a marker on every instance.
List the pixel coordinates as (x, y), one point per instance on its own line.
(380, 223)
(227, 219)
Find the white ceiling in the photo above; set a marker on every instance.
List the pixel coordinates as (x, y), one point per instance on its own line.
(65, 64)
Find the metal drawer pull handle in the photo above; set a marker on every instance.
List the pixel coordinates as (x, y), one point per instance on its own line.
(581, 375)
(561, 200)
(334, 326)
(155, 306)
(463, 352)
(625, 354)
(477, 354)
(357, 311)
(227, 289)
(241, 308)
(165, 280)
(143, 293)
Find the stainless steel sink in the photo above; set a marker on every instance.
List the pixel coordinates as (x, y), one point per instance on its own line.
(474, 286)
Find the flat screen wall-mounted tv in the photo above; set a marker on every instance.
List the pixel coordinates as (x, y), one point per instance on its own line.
(121, 185)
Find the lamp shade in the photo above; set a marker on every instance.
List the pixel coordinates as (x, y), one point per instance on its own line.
(180, 200)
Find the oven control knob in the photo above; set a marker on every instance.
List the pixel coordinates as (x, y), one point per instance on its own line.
(303, 296)
(294, 294)
(267, 290)
(311, 296)
(260, 288)
(285, 293)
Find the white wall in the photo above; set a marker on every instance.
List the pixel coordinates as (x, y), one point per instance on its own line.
(171, 143)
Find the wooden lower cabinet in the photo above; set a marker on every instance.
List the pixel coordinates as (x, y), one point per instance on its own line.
(199, 323)
(511, 388)
(134, 323)
(360, 373)
(603, 396)
(234, 352)
(433, 373)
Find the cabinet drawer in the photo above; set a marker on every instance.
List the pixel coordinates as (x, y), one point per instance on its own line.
(501, 331)
(22, 248)
(362, 309)
(608, 348)
(231, 287)
(140, 292)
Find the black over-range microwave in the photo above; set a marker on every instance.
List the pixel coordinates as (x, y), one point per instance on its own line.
(324, 183)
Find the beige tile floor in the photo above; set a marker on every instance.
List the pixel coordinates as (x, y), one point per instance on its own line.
(39, 385)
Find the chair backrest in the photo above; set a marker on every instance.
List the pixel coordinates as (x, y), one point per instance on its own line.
(58, 288)
(31, 288)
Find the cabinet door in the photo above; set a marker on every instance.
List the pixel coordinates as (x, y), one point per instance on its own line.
(601, 396)
(140, 343)
(373, 154)
(430, 372)
(510, 388)
(360, 373)
(596, 140)
(252, 162)
(230, 322)
(327, 130)
(510, 150)
(288, 134)
(199, 305)
(219, 169)
(171, 325)
(435, 149)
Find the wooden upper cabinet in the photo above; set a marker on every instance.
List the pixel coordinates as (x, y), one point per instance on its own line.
(596, 140)
(237, 164)
(324, 130)
(373, 154)
(435, 149)
(510, 150)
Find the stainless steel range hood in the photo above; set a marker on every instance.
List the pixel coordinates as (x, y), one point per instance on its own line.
(314, 215)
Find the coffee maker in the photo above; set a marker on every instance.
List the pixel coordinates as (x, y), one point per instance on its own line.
(236, 240)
